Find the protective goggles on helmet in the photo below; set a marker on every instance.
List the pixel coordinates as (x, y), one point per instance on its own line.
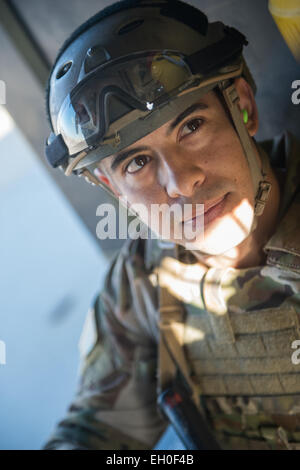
(141, 83)
(123, 100)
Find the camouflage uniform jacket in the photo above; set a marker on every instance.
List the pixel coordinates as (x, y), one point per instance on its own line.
(240, 361)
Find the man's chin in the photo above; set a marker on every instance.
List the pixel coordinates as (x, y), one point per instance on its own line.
(215, 245)
(223, 235)
(221, 239)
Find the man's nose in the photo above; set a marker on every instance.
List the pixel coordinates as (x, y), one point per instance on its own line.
(180, 173)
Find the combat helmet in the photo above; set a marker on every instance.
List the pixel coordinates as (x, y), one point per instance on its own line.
(129, 70)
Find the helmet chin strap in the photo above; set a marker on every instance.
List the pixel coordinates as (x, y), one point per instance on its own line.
(261, 186)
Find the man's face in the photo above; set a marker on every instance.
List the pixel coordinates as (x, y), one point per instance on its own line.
(194, 159)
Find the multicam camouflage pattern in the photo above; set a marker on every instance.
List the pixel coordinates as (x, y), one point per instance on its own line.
(241, 362)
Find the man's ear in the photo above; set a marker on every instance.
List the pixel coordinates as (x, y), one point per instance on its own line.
(247, 101)
(105, 180)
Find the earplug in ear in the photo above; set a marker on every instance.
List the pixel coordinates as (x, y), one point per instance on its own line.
(245, 115)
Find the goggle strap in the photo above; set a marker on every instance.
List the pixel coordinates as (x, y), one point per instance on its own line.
(74, 162)
(90, 178)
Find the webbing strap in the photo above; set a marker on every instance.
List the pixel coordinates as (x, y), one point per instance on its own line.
(171, 356)
(261, 186)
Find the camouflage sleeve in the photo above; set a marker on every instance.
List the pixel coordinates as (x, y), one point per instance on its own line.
(115, 403)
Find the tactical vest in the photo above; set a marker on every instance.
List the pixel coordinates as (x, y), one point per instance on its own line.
(239, 368)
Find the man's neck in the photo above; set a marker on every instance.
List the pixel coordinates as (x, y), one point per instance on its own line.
(250, 252)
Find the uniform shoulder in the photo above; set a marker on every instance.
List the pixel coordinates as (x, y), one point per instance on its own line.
(134, 260)
(283, 248)
(146, 252)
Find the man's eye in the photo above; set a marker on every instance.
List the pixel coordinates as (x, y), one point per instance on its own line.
(191, 126)
(136, 164)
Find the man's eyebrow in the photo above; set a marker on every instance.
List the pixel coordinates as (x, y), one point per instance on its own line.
(122, 156)
(191, 109)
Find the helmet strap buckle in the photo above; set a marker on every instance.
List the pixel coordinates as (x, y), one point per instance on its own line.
(262, 197)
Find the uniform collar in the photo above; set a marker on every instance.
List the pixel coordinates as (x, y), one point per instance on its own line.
(283, 248)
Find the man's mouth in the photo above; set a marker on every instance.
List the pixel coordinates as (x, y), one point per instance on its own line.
(212, 210)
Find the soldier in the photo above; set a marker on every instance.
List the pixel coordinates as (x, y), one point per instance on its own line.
(154, 103)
